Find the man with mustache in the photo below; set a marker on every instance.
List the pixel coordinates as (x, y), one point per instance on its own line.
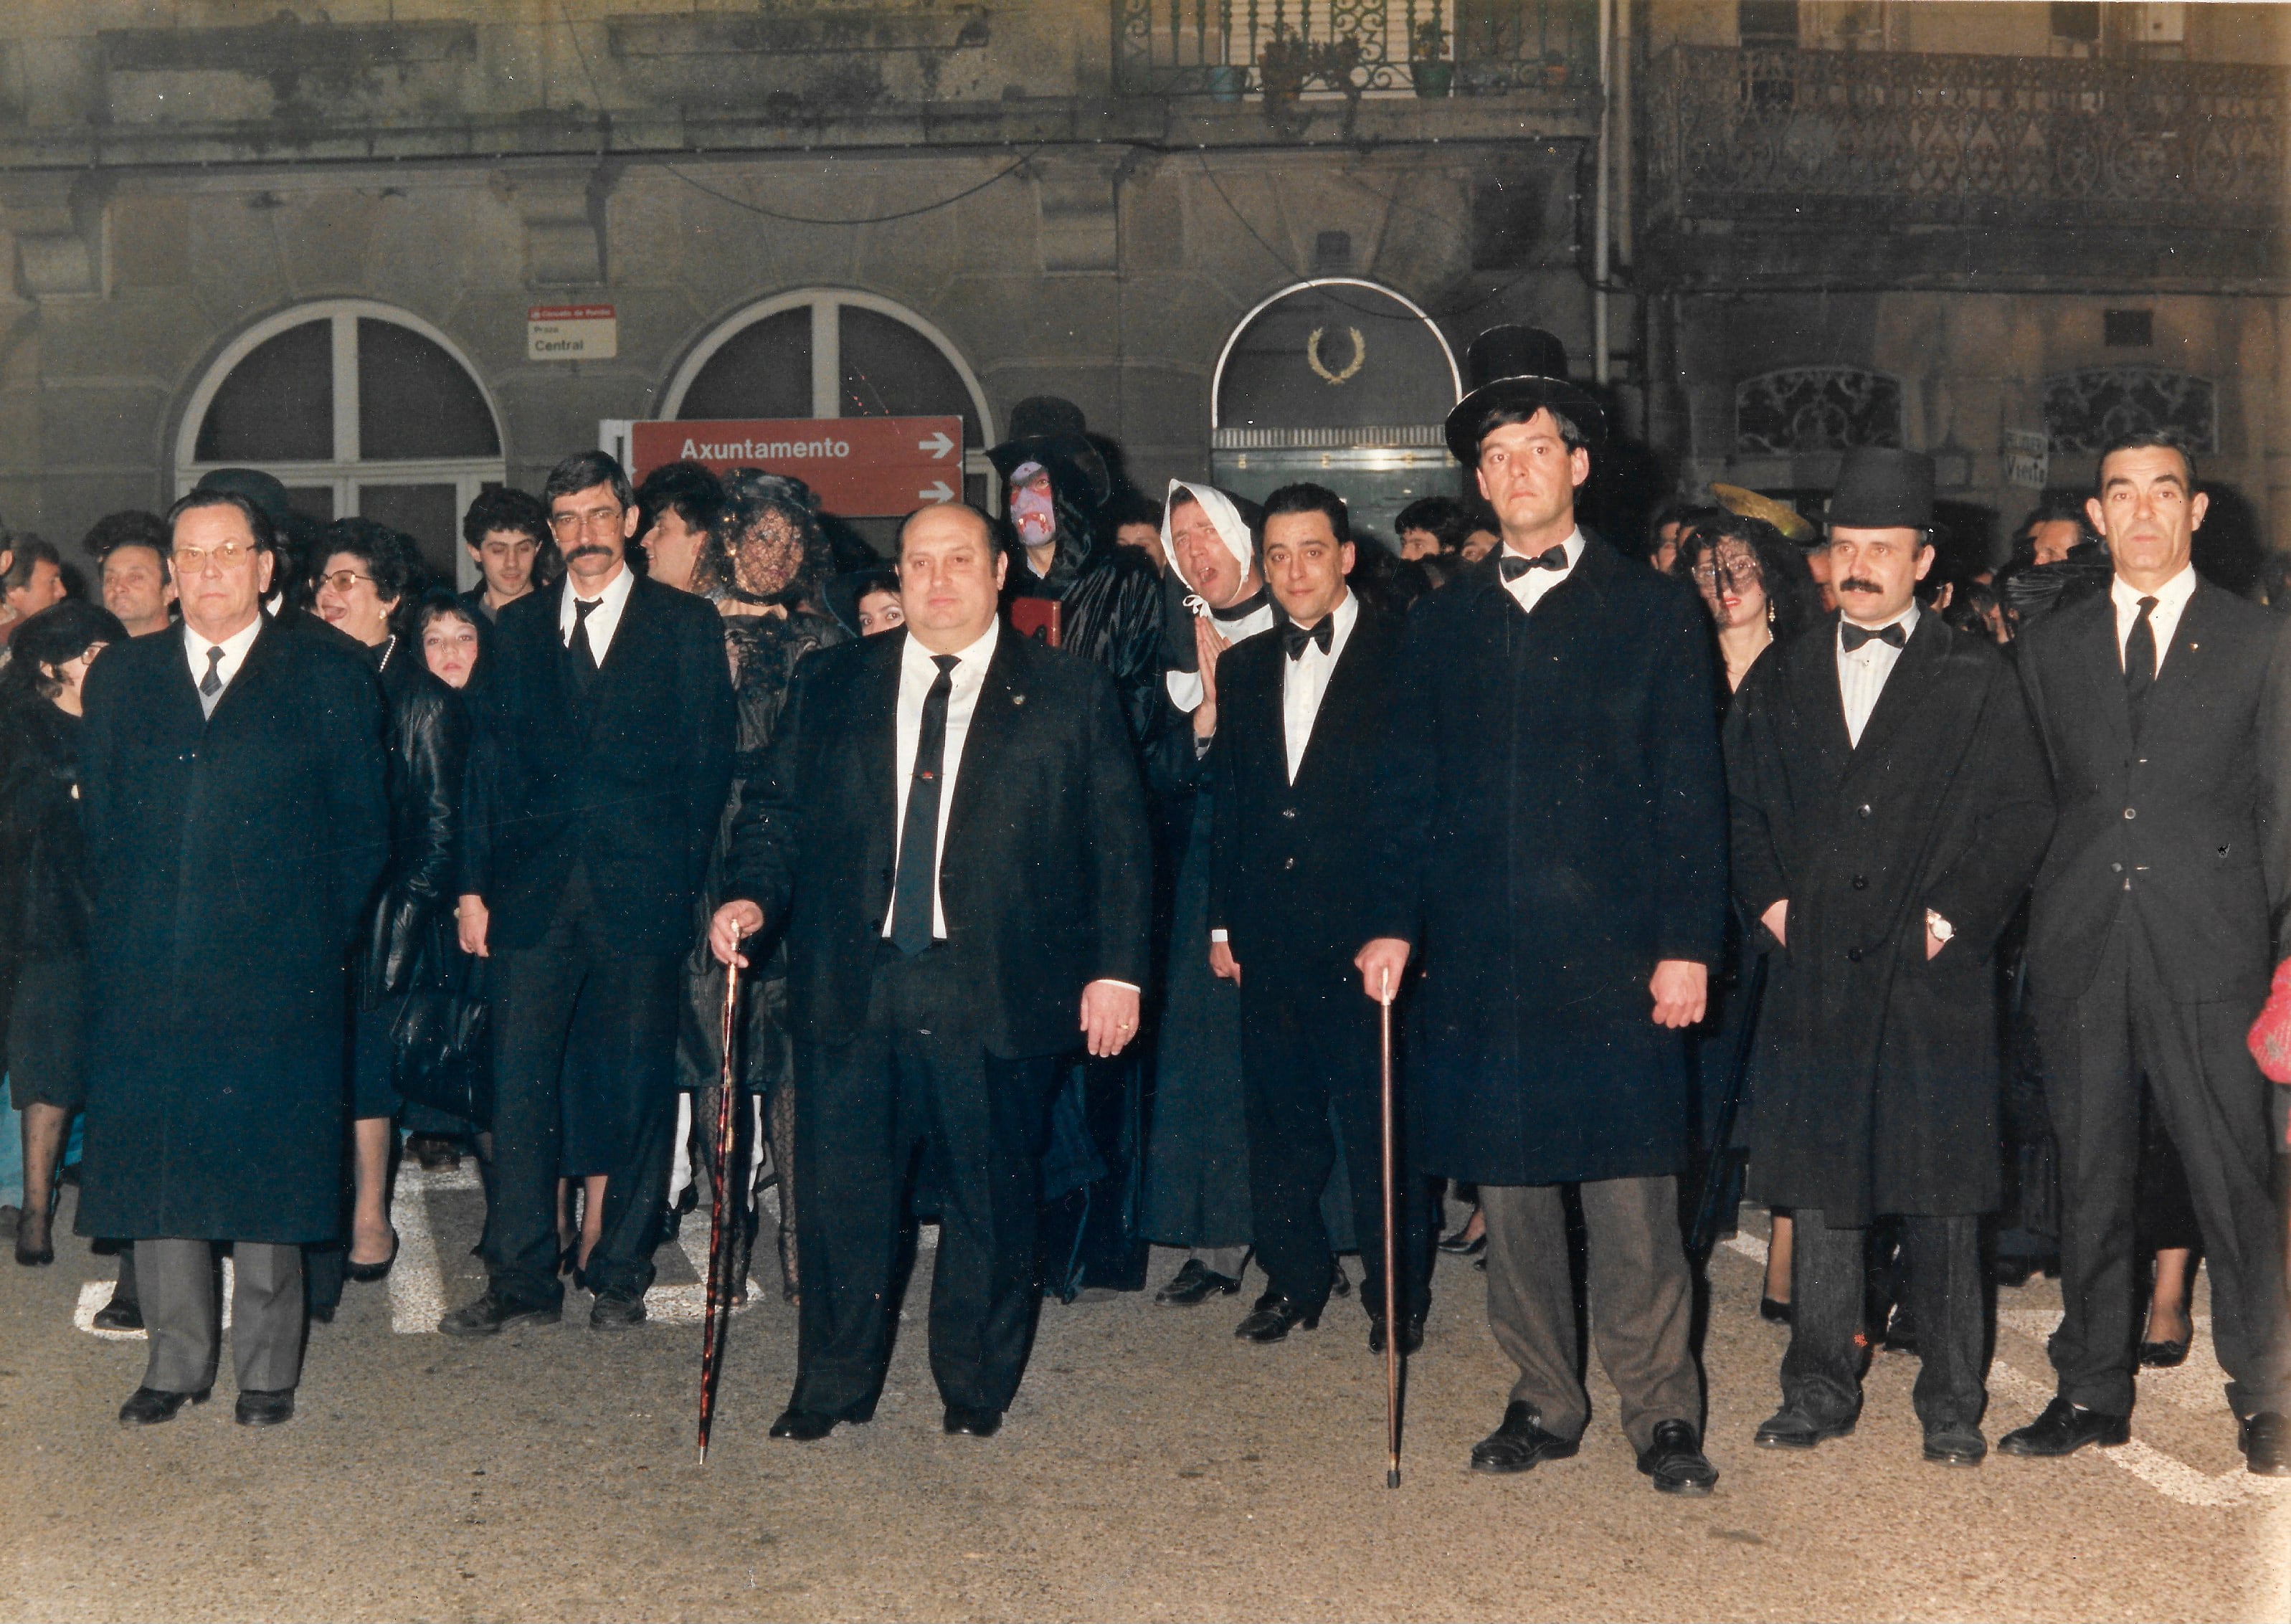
(614, 715)
(2165, 707)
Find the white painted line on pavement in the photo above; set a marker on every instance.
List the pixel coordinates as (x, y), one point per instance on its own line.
(417, 1281)
(93, 1294)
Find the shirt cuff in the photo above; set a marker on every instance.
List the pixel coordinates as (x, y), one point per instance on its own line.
(1220, 935)
(1108, 980)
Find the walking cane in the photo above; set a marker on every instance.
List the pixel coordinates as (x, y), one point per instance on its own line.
(1391, 1252)
(720, 1290)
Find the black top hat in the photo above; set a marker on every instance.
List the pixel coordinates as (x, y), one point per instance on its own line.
(1879, 488)
(1050, 429)
(1516, 369)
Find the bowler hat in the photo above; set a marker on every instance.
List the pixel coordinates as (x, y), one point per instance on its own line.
(1050, 429)
(1880, 488)
(1516, 369)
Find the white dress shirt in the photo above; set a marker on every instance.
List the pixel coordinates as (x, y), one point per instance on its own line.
(605, 619)
(2164, 620)
(917, 672)
(1861, 674)
(1305, 680)
(1529, 588)
(234, 653)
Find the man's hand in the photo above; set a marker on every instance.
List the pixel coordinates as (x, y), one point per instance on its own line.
(1381, 963)
(1109, 1016)
(1774, 918)
(733, 921)
(1934, 944)
(469, 921)
(1207, 644)
(1223, 965)
(1681, 992)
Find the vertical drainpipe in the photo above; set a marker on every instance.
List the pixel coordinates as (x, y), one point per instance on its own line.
(1599, 204)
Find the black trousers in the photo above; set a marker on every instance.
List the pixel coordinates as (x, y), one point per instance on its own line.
(1309, 1046)
(1821, 1372)
(2213, 1101)
(914, 1101)
(572, 993)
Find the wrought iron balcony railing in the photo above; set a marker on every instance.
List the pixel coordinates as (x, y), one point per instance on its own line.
(1428, 47)
(1895, 137)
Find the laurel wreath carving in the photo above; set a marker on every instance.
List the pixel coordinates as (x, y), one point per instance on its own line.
(1320, 367)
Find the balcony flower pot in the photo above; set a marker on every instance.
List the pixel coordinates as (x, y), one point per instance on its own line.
(1434, 81)
(1228, 82)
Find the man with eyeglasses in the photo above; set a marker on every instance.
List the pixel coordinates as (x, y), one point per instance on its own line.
(614, 713)
(236, 821)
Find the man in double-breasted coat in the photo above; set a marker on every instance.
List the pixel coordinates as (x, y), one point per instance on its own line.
(1890, 807)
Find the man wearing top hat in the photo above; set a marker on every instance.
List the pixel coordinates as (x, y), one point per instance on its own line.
(1549, 834)
(1889, 809)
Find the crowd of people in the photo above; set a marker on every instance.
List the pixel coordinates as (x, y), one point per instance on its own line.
(1067, 859)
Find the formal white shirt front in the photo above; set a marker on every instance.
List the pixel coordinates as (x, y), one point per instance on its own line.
(1861, 674)
(2164, 620)
(1305, 681)
(234, 653)
(605, 619)
(1528, 590)
(917, 671)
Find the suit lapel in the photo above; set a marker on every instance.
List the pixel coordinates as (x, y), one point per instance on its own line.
(2103, 664)
(249, 675)
(2177, 677)
(1820, 698)
(1001, 702)
(875, 731)
(1346, 682)
(1906, 688)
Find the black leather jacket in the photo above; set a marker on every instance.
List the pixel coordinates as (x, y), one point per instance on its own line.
(409, 938)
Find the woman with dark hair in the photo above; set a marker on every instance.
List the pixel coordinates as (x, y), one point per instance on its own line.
(365, 584)
(48, 924)
(764, 565)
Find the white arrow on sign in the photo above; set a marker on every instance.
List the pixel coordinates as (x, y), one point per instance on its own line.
(939, 445)
(935, 491)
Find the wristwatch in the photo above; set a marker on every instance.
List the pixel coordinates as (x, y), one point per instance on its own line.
(1942, 930)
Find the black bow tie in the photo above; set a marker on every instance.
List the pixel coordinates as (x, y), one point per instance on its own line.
(1294, 637)
(1514, 566)
(1853, 637)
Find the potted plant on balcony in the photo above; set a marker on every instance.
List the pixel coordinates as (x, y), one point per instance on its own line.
(1433, 74)
(1283, 67)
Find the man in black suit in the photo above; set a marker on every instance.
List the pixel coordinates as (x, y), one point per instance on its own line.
(236, 822)
(1890, 807)
(1551, 830)
(1300, 730)
(2165, 707)
(614, 714)
(951, 832)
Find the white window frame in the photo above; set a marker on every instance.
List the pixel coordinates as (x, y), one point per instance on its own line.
(346, 471)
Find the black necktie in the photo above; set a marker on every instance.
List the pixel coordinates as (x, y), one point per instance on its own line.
(583, 652)
(210, 685)
(1853, 637)
(1294, 637)
(2140, 656)
(911, 890)
(1514, 566)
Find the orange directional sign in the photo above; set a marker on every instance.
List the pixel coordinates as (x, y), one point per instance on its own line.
(861, 467)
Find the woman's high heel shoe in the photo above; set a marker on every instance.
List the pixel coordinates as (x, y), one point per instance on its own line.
(366, 1273)
(44, 1253)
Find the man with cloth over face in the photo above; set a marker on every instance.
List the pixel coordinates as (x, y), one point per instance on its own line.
(1890, 807)
(1550, 830)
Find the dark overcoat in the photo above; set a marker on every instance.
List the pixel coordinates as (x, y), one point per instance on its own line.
(1550, 824)
(1874, 1081)
(231, 858)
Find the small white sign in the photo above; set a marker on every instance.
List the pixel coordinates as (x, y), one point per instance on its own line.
(571, 333)
(2028, 463)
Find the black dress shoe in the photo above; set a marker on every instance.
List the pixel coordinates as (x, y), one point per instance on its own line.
(1772, 1312)
(117, 1316)
(1900, 1331)
(2163, 1355)
(493, 1313)
(1412, 1333)
(2265, 1439)
(1456, 1246)
(1791, 1427)
(1274, 1318)
(964, 1422)
(1674, 1459)
(1193, 1283)
(616, 1311)
(2064, 1428)
(149, 1406)
(804, 1426)
(1519, 1443)
(1340, 1283)
(368, 1273)
(256, 1408)
(1955, 1446)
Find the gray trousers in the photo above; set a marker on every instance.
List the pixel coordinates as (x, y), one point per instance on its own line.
(1642, 1302)
(1821, 1372)
(177, 1280)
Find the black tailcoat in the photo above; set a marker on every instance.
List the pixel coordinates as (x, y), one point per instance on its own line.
(1045, 873)
(1875, 1082)
(1551, 824)
(232, 859)
(630, 779)
(2196, 811)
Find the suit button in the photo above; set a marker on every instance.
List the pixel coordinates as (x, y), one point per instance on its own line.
(2131, 812)
(2116, 868)
(1863, 810)
(1287, 811)
(1853, 955)
(1288, 863)
(1861, 882)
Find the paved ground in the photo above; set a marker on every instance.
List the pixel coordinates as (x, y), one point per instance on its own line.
(1153, 1467)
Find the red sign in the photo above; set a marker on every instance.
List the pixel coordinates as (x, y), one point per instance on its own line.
(860, 467)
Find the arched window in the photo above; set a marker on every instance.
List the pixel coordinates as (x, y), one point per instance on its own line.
(1341, 382)
(359, 409)
(835, 352)
(1800, 410)
(2086, 410)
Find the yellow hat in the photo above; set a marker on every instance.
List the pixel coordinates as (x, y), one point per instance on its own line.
(1749, 505)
